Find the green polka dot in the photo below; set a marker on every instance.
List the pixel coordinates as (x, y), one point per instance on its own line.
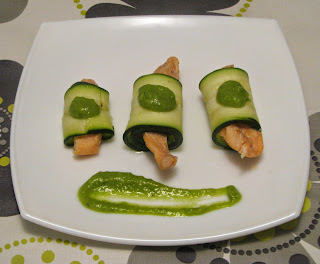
(16, 243)
(79, 6)
(246, 5)
(40, 239)
(59, 240)
(309, 186)
(83, 12)
(238, 239)
(239, 15)
(249, 0)
(10, 108)
(0, 250)
(75, 262)
(17, 259)
(4, 161)
(1, 100)
(243, 10)
(89, 251)
(47, 256)
(265, 235)
(306, 205)
(7, 246)
(66, 242)
(101, 262)
(24, 241)
(82, 247)
(95, 257)
(32, 239)
(49, 239)
(74, 244)
(76, 1)
(289, 225)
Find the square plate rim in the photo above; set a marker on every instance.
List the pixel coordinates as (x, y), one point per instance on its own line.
(161, 242)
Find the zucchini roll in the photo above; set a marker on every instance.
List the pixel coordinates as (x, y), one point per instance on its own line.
(233, 118)
(86, 120)
(156, 113)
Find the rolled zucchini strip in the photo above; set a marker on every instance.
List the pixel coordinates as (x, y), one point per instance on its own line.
(86, 111)
(228, 98)
(167, 121)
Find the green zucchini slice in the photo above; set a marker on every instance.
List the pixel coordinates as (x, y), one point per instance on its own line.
(99, 123)
(147, 120)
(222, 115)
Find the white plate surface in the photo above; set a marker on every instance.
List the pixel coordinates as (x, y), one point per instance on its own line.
(115, 52)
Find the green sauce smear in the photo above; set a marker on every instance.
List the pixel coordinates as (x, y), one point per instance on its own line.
(232, 94)
(126, 193)
(156, 98)
(83, 108)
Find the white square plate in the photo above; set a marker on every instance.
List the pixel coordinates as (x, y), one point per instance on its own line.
(115, 52)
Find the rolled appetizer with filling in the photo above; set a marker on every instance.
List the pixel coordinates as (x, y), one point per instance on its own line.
(86, 120)
(155, 122)
(233, 118)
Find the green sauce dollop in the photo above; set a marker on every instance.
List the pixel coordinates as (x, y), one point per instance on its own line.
(156, 98)
(232, 94)
(126, 193)
(83, 108)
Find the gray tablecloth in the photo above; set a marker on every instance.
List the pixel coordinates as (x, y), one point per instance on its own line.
(296, 242)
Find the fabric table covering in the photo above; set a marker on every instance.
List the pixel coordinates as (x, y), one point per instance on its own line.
(296, 242)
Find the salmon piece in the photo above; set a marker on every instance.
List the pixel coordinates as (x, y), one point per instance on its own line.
(170, 67)
(228, 66)
(158, 145)
(244, 139)
(89, 81)
(87, 144)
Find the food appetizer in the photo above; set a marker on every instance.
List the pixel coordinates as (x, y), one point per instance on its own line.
(86, 120)
(155, 122)
(232, 114)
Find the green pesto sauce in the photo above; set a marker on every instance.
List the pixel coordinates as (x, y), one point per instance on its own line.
(156, 98)
(232, 94)
(126, 193)
(83, 108)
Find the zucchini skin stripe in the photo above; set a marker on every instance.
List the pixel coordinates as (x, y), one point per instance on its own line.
(220, 71)
(160, 75)
(86, 84)
(106, 134)
(133, 137)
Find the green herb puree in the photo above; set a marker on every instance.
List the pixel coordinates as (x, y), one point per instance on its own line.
(126, 193)
(232, 94)
(83, 108)
(156, 98)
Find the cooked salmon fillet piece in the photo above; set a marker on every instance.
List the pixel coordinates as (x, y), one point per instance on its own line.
(170, 68)
(87, 144)
(228, 66)
(242, 138)
(155, 142)
(89, 81)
